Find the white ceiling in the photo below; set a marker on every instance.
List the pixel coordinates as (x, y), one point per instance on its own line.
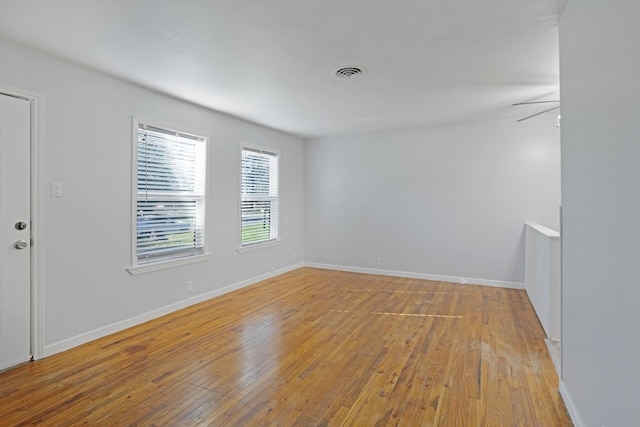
(271, 61)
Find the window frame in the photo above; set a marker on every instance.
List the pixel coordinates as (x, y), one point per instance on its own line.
(136, 267)
(248, 247)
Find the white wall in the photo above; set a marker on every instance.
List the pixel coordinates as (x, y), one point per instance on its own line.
(449, 201)
(600, 89)
(542, 276)
(87, 239)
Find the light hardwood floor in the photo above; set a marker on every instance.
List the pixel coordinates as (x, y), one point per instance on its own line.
(308, 348)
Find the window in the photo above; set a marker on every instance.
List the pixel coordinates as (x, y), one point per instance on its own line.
(170, 194)
(259, 196)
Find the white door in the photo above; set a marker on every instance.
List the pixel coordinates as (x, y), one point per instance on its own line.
(15, 231)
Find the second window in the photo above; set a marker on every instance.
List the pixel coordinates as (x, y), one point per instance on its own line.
(259, 196)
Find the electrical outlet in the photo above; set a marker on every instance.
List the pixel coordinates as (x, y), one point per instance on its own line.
(294, 256)
(189, 286)
(378, 260)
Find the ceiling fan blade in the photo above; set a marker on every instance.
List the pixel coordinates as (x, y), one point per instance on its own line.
(535, 102)
(537, 114)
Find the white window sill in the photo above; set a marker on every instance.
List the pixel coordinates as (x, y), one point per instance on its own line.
(161, 265)
(258, 246)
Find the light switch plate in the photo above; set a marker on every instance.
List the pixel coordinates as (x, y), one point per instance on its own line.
(56, 189)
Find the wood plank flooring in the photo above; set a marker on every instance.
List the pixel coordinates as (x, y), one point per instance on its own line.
(308, 348)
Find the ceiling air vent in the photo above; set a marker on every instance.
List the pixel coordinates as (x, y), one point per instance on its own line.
(349, 72)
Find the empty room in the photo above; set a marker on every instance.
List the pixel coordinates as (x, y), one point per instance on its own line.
(281, 213)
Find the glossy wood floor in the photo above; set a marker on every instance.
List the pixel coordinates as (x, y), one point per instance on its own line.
(308, 348)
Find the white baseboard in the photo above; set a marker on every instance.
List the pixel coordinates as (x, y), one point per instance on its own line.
(571, 407)
(410, 275)
(86, 337)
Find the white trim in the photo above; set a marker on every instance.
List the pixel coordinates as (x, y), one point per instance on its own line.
(83, 338)
(411, 275)
(546, 231)
(258, 246)
(135, 267)
(266, 150)
(161, 265)
(571, 407)
(37, 223)
(134, 194)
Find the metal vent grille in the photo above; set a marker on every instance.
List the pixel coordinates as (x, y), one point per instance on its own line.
(349, 72)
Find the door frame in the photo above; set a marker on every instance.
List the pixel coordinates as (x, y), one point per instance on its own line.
(36, 102)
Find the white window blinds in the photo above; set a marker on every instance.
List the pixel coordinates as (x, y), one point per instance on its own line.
(259, 196)
(171, 169)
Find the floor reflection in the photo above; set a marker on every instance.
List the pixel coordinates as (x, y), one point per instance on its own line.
(404, 314)
(260, 346)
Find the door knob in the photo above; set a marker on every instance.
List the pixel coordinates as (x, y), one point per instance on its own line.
(20, 244)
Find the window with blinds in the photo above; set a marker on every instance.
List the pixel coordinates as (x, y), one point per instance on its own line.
(170, 189)
(259, 196)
